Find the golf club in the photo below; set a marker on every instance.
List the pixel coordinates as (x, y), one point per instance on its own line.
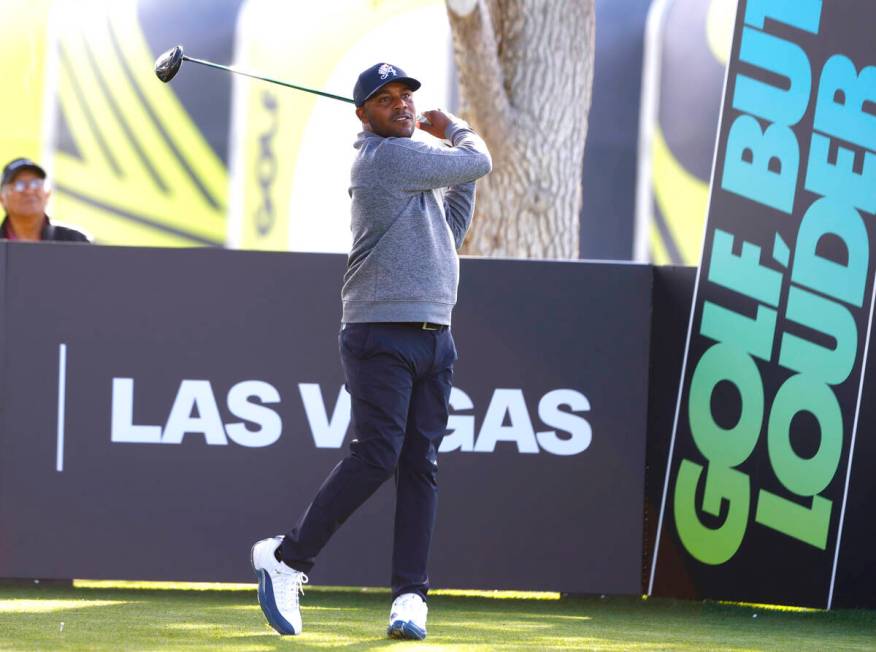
(168, 64)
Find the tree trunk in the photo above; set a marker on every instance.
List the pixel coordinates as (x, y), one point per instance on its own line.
(525, 73)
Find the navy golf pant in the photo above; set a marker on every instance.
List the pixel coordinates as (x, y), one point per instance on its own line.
(399, 378)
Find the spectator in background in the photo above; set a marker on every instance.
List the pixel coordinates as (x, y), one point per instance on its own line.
(24, 196)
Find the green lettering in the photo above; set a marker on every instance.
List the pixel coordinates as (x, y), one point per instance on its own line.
(805, 476)
(807, 524)
(743, 273)
(831, 216)
(711, 545)
(754, 336)
(726, 446)
(831, 366)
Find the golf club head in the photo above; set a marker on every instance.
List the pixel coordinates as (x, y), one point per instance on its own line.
(167, 64)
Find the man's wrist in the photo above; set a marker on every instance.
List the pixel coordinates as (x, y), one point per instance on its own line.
(455, 128)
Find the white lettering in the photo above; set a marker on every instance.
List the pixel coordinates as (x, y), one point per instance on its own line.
(326, 433)
(269, 422)
(123, 429)
(461, 427)
(194, 394)
(519, 430)
(507, 418)
(580, 433)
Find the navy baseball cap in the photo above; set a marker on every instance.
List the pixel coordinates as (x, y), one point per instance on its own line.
(17, 165)
(378, 76)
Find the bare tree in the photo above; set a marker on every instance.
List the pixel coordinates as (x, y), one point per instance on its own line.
(526, 73)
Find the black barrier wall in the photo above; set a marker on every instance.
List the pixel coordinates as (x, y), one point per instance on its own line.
(162, 409)
(671, 298)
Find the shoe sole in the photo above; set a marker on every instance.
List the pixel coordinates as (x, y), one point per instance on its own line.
(267, 602)
(405, 629)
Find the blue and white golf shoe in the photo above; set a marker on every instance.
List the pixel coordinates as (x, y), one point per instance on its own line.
(279, 587)
(407, 617)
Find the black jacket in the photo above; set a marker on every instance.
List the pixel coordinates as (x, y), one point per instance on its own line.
(52, 232)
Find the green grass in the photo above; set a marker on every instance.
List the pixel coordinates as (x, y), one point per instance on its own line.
(95, 616)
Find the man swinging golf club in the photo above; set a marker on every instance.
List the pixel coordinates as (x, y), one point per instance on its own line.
(412, 205)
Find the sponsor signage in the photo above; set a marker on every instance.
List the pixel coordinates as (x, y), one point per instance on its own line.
(687, 45)
(162, 416)
(768, 408)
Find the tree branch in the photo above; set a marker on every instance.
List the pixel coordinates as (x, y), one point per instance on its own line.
(475, 51)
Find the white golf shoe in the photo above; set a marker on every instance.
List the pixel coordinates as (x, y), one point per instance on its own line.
(279, 587)
(407, 617)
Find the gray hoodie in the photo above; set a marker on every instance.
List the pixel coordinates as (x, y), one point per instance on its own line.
(412, 205)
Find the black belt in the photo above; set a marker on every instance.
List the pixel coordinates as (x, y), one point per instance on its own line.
(422, 325)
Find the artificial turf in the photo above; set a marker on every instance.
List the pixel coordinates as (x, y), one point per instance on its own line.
(96, 616)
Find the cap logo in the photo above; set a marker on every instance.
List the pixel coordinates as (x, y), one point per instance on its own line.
(386, 70)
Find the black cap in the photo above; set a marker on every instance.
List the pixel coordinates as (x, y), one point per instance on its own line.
(17, 165)
(378, 76)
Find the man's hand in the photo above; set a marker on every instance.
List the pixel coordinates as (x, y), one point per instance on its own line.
(439, 121)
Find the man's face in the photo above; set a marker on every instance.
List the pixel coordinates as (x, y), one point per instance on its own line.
(390, 111)
(27, 202)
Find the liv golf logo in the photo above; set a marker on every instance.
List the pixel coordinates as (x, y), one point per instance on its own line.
(767, 411)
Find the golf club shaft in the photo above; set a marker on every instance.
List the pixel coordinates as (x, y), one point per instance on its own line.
(267, 79)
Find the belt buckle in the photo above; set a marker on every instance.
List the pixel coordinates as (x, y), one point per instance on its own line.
(429, 327)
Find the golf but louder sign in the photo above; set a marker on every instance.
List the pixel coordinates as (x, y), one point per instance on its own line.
(767, 414)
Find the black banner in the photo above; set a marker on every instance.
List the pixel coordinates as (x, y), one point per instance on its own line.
(163, 409)
(768, 410)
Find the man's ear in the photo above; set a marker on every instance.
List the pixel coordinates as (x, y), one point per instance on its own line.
(363, 118)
